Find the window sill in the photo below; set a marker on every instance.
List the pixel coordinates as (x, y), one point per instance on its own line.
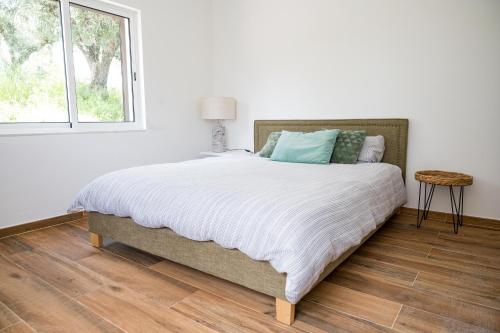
(87, 129)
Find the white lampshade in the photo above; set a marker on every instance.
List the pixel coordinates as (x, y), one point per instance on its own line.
(218, 108)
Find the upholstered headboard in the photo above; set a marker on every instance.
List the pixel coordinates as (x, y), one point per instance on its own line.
(395, 132)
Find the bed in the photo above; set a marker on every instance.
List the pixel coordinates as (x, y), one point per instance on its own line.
(229, 217)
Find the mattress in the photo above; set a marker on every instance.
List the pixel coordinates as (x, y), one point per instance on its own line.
(299, 217)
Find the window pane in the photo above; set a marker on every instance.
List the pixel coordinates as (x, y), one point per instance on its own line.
(32, 79)
(102, 72)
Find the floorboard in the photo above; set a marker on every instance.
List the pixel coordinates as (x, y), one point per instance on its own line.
(449, 287)
(429, 301)
(403, 279)
(225, 316)
(314, 317)
(42, 306)
(13, 244)
(132, 254)
(64, 274)
(20, 327)
(227, 290)
(362, 305)
(60, 242)
(7, 317)
(418, 321)
(144, 281)
(134, 312)
(380, 270)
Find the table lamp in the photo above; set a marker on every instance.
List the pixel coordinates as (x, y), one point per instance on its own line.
(218, 108)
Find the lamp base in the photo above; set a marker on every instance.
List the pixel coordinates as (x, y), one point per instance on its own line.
(218, 138)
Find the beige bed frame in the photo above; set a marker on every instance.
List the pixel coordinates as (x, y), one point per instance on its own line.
(231, 264)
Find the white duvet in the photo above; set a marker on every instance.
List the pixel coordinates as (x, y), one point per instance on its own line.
(299, 217)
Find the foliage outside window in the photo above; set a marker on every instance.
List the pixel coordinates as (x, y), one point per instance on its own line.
(69, 63)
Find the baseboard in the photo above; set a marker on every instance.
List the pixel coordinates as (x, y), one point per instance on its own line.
(19, 229)
(479, 222)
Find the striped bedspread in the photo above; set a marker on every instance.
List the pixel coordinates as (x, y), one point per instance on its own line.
(299, 217)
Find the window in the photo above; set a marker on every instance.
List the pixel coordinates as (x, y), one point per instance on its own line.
(69, 66)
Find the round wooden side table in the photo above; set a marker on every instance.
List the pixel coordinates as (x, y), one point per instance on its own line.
(442, 178)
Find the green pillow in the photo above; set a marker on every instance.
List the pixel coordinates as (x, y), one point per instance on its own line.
(271, 142)
(298, 147)
(348, 147)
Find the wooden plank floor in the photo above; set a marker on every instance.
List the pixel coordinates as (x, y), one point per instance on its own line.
(401, 280)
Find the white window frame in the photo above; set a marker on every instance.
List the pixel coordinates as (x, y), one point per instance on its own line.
(136, 65)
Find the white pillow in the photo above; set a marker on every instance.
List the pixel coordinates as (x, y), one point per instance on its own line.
(372, 150)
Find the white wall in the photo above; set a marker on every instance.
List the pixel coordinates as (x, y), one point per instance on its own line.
(436, 63)
(40, 175)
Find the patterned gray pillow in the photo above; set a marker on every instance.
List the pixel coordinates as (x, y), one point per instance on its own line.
(348, 146)
(268, 148)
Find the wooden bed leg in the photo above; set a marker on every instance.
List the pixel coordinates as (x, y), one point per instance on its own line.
(285, 311)
(95, 240)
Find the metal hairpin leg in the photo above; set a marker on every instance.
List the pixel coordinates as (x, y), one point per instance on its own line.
(427, 203)
(457, 211)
